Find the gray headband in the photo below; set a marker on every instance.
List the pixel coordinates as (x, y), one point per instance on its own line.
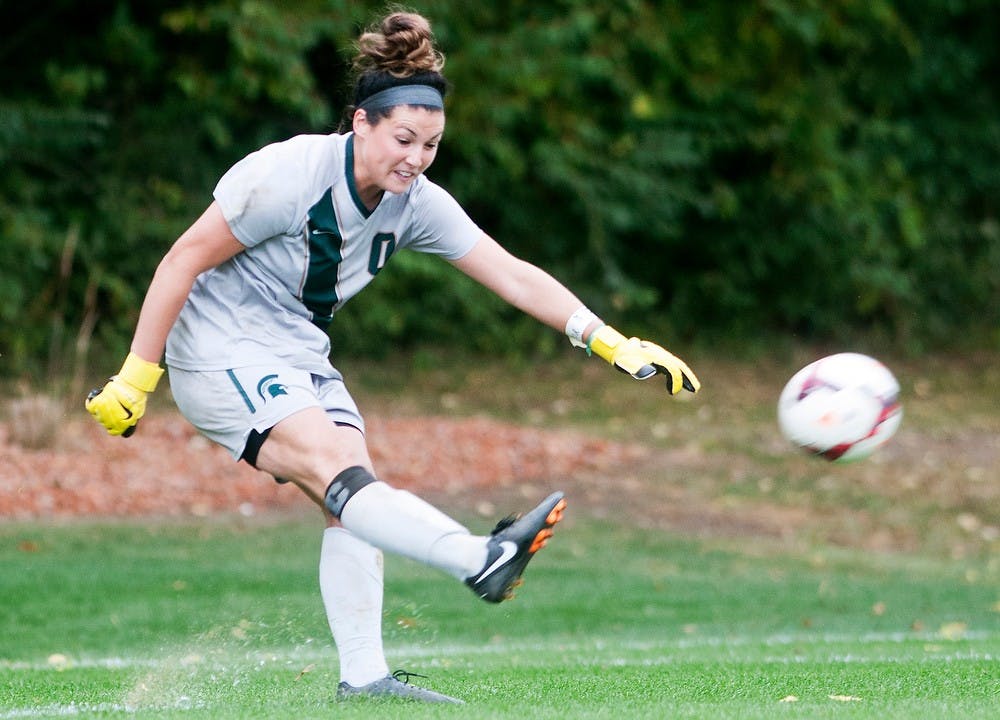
(423, 95)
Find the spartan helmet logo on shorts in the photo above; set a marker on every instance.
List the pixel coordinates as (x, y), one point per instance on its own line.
(267, 388)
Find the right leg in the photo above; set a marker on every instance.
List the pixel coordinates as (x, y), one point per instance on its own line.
(238, 409)
(330, 463)
(308, 431)
(307, 451)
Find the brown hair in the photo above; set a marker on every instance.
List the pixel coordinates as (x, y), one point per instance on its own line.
(402, 45)
(398, 50)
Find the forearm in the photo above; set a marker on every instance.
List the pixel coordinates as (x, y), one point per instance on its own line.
(543, 297)
(165, 297)
(206, 244)
(524, 285)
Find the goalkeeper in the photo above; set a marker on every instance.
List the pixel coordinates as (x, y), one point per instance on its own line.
(240, 304)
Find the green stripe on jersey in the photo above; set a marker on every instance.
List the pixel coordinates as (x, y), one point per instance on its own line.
(319, 294)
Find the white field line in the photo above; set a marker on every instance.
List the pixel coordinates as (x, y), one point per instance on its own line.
(83, 709)
(603, 652)
(599, 648)
(46, 711)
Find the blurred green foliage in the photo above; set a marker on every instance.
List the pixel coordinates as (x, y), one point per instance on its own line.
(816, 169)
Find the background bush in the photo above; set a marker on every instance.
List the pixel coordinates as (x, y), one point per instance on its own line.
(710, 169)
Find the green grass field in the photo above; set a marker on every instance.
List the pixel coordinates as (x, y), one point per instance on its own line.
(222, 619)
(724, 576)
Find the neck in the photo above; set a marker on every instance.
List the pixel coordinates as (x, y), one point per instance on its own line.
(370, 195)
(368, 191)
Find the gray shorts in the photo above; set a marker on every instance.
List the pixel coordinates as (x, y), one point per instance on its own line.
(227, 405)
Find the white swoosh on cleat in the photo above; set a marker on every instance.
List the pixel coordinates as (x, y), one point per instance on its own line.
(508, 550)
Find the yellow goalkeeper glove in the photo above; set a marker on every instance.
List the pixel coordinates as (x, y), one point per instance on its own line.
(642, 359)
(122, 401)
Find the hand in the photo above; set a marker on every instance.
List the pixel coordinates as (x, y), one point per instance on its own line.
(642, 359)
(120, 404)
(117, 406)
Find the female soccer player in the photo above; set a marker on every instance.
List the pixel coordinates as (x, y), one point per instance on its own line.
(241, 302)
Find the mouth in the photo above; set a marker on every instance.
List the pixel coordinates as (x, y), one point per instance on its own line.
(404, 175)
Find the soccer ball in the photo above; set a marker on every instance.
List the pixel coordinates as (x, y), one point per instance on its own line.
(842, 407)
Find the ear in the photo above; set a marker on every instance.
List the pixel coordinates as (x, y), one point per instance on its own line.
(360, 123)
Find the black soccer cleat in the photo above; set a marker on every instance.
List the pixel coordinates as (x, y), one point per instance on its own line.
(392, 687)
(511, 545)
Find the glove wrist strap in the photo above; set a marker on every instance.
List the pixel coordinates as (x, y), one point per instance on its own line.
(140, 374)
(603, 342)
(577, 325)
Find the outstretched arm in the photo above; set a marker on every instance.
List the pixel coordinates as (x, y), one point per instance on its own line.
(537, 293)
(525, 286)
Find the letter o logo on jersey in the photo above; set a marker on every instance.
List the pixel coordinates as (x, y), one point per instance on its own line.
(383, 246)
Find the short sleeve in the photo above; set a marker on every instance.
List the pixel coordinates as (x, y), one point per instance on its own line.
(440, 225)
(261, 196)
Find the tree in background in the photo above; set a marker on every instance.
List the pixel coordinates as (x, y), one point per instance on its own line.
(815, 169)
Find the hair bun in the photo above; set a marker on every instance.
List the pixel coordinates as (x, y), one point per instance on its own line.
(401, 45)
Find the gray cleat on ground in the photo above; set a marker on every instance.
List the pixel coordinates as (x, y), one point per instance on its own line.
(392, 687)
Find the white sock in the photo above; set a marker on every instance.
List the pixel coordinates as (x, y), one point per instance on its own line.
(350, 581)
(398, 521)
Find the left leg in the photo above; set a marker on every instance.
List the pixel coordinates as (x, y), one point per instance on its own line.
(351, 585)
(350, 571)
(350, 582)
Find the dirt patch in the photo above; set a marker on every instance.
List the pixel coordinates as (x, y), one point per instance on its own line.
(927, 491)
(167, 469)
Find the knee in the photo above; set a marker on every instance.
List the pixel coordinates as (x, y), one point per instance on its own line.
(312, 456)
(346, 485)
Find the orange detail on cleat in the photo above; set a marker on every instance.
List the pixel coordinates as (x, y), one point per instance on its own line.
(555, 515)
(540, 539)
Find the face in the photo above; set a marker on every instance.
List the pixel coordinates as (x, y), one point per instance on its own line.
(392, 153)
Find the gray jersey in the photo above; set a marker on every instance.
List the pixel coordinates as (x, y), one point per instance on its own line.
(311, 245)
